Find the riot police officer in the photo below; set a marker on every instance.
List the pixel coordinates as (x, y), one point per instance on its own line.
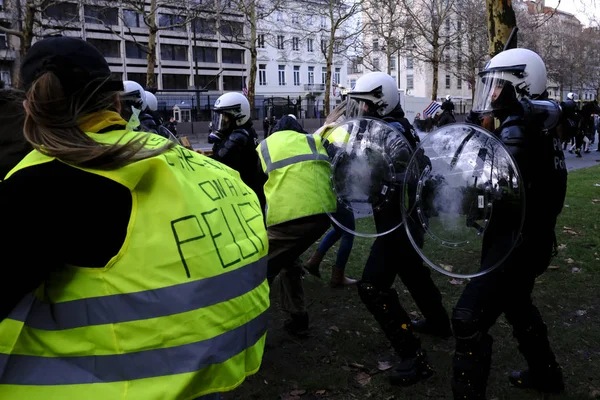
(235, 140)
(447, 116)
(508, 89)
(375, 95)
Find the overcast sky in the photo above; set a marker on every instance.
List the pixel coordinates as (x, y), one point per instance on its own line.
(581, 8)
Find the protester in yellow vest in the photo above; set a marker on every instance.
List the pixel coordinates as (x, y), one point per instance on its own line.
(298, 196)
(132, 268)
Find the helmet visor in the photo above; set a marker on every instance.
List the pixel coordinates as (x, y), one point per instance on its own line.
(357, 107)
(494, 91)
(220, 122)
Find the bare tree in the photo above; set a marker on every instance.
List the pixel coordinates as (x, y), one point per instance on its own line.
(387, 24)
(471, 45)
(255, 15)
(431, 22)
(339, 33)
(501, 21)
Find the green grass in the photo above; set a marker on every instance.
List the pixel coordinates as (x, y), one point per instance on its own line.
(343, 332)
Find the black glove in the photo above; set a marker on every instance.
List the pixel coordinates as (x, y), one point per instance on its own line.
(214, 138)
(473, 118)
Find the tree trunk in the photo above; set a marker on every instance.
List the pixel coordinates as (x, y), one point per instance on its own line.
(27, 28)
(151, 57)
(327, 102)
(253, 56)
(435, 65)
(501, 21)
(388, 57)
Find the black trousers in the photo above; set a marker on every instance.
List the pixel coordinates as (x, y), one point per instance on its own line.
(393, 255)
(506, 290)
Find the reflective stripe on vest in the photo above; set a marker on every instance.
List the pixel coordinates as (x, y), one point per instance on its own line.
(314, 156)
(178, 313)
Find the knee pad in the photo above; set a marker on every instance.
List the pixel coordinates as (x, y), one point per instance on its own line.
(464, 324)
(370, 294)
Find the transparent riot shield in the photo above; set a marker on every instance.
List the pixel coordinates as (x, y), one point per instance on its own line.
(368, 160)
(463, 201)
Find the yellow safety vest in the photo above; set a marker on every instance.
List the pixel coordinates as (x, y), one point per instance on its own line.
(298, 172)
(178, 313)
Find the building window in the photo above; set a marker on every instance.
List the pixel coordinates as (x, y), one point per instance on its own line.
(282, 75)
(459, 83)
(172, 52)
(294, 18)
(5, 76)
(132, 19)
(62, 12)
(139, 78)
(311, 75)
(296, 75)
(309, 20)
(323, 74)
(101, 15)
(208, 82)
(1, 5)
(232, 56)
(336, 76)
(172, 22)
(392, 63)
(336, 46)
(376, 64)
(447, 81)
(323, 22)
(233, 83)
(323, 45)
(231, 28)
(3, 41)
(459, 62)
(410, 84)
(135, 50)
(205, 26)
(296, 43)
(261, 41)
(262, 74)
(375, 44)
(352, 83)
(409, 63)
(205, 54)
(175, 81)
(309, 45)
(447, 60)
(459, 25)
(109, 48)
(280, 42)
(447, 25)
(116, 76)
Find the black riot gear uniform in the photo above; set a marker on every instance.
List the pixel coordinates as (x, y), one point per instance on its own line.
(237, 150)
(570, 120)
(507, 289)
(393, 254)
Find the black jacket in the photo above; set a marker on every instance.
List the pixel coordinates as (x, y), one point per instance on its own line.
(238, 151)
(446, 118)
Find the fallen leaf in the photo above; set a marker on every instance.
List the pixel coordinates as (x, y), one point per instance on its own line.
(357, 365)
(383, 365)
(570, 261)
(595, 394)
(538, 282)
(562, 246)
(447, 267)
(553, 267)
(266, 383)
(575, 270)
(298, 392)
(571, 232)
(597, 184)
(414, 314)
(567, 228)
(334, 328)
(362, 378)
(566, 205)
(320, 392)
(580, 313)
(456, 282)
(595, 201)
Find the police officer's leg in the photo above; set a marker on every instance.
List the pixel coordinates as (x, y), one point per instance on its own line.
(417, 279)
(382, 302)
(543, 373)
(578, 142)
(476, 311)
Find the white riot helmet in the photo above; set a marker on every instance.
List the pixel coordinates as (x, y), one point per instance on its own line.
(508, 77)
(134, 95)
(152, 101)
(374, 95)
(571, 96)
(292, 116)
(448, 97)
(230, 111)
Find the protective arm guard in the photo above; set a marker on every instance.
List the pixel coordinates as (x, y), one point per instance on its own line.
(229, 152)
(514, 137)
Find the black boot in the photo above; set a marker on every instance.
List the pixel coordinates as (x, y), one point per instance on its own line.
(297, 325)
(439, 329)
(549, 381)
(395, 323)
